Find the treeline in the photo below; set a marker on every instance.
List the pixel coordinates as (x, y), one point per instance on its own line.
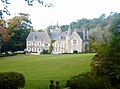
(98, 29)
(13, 33)
(13, 37)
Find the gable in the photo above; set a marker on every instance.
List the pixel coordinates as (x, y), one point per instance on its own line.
(80, 34)
(75, 35)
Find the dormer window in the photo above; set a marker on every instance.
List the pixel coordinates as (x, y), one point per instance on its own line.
(35, 37)
(60, 37)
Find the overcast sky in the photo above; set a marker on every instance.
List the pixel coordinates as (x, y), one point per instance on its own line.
(64, 11)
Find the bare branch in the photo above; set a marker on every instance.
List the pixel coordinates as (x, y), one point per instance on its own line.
(29, 2)
(6, 10)
(5, 1)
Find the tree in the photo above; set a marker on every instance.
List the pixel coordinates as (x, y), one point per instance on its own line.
(4, 37)
(17, 23)
(51, 46)
(105, 73)
(64, 27)
(21, 22)
(107, 61)
(18, 28)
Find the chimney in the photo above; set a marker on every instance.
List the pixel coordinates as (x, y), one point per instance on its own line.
(75, 30)
(83, 35)
(87, 35)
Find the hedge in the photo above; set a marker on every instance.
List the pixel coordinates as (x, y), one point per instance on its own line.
(88, 81)
(11, 80)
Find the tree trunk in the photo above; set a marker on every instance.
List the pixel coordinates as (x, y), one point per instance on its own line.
(1, 44)
(0, 49)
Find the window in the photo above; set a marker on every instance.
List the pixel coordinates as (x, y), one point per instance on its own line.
(35, 37)
(64, 45)
(58, 44)
(46, 44)
(35, 44)
(74, 42)
(39, 44)
(28, 43)
(31, 44)
(86, 46)
(39, 50)
(28, 49)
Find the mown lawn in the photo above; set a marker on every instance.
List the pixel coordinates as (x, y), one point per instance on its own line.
(40, 69)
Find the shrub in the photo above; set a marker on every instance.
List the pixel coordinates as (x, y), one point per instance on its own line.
(45, 52)
(11, 80)
(7, 55)
(88, 81)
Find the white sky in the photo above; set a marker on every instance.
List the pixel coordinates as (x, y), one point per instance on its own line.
(64, 11)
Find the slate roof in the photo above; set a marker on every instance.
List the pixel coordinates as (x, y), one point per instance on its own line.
(54, 35)
(38, 36)
(80, 35)
(58, 35)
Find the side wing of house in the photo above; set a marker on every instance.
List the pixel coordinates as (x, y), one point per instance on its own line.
(36, 42)
(74, 43)
(59, 47)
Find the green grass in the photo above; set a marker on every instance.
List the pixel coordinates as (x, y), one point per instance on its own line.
(40, 69)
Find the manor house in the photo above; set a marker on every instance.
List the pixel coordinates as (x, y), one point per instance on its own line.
(59, 42)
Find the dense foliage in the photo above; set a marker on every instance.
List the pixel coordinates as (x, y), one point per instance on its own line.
(13, 25)
(107, 61)
(87, 81)
(105, 73)
(17, 29)
(4, 36)
(11, 80)
(99, 33)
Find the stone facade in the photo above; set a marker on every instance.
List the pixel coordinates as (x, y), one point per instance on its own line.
(62, 42)
(74, 43)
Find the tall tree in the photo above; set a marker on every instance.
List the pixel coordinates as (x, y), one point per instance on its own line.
(21, 22)
(19, 28)
(4, 37)
(107, 61)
